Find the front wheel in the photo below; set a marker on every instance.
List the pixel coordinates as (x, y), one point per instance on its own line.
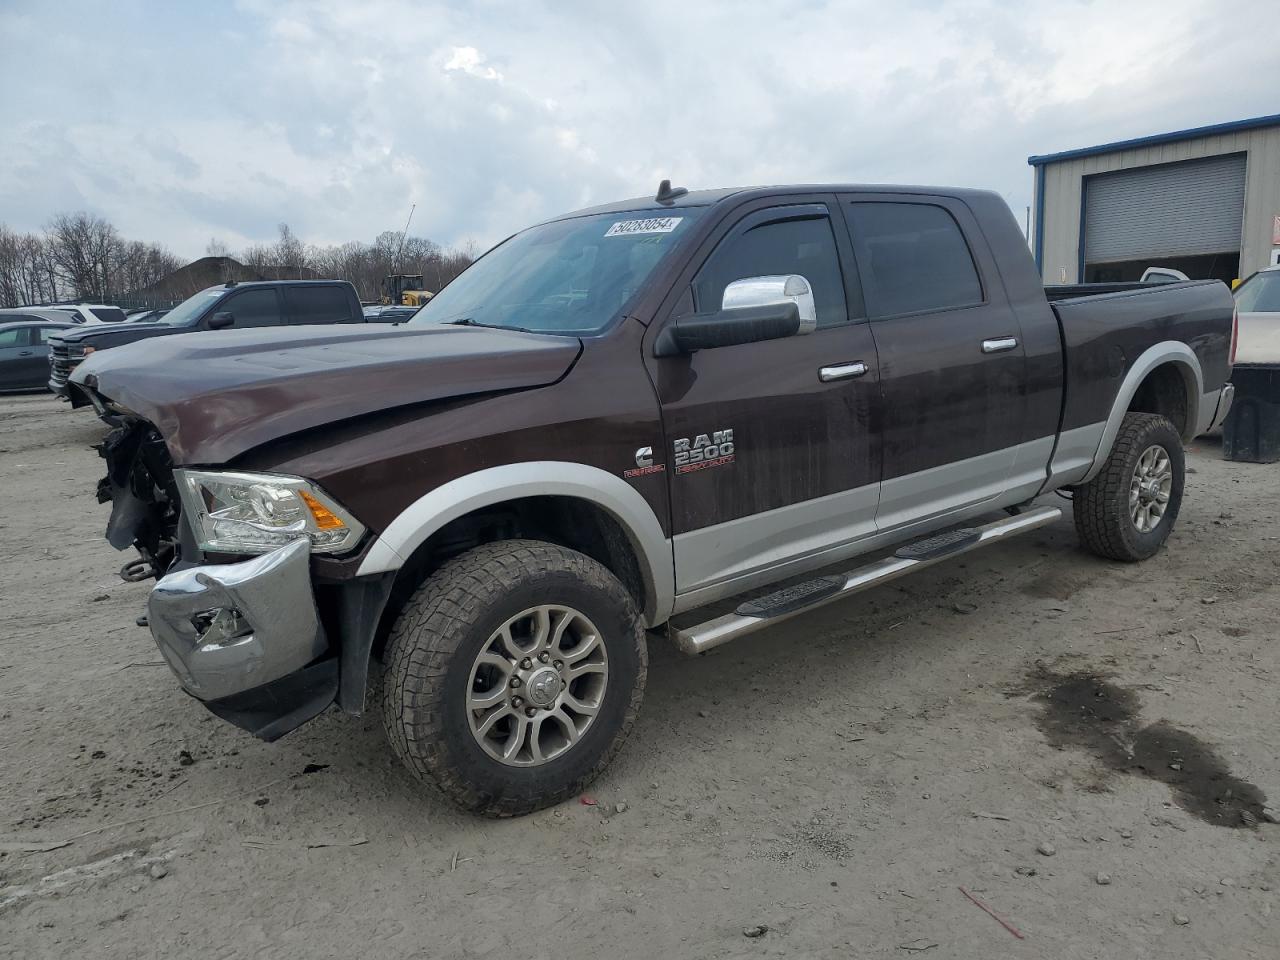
(1128, 510)
(514, 674)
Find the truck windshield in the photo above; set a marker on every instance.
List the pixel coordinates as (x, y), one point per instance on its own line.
(567, 276)
(1260, 293)
(190, 310)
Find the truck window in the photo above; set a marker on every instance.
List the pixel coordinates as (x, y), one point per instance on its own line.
(801, 246)
(914, 258)
(253, 308)
(317, 304)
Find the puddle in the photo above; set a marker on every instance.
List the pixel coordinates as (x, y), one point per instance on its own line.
(1087, 711)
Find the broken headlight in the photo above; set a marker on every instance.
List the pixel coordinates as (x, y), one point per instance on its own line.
(258, 512)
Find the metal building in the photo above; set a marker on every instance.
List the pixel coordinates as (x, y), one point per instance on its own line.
(1204, 201)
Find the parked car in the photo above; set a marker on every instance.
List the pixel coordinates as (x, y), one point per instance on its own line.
(388, 314)
(618, 416)
(270, 303)
(24, 350)
(144, 316)
(90, 313)
(1258, 300)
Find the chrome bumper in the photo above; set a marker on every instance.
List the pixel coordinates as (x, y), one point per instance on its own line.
(227, 628)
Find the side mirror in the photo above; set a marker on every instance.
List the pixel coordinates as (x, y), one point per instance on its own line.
(222, 320)
(751, 310)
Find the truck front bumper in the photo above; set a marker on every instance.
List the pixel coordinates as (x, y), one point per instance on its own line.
(246, 639)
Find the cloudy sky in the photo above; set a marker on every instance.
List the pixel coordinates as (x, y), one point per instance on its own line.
(186, 121)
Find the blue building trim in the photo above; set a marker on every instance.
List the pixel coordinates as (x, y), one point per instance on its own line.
(1232, 126)
(1039, 241)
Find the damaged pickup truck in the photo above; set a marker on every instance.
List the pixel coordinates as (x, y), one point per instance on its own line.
(616, 417)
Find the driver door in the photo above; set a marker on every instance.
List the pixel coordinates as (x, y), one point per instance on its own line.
(772, 456)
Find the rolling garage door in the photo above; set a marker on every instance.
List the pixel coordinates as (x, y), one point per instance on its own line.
(1173, 210)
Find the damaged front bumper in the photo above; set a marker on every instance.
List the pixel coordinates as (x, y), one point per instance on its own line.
(246, 639)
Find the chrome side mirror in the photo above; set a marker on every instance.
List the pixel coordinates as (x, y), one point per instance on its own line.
(771, 291)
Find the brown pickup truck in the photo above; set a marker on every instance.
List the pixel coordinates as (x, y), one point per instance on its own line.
(619, 416)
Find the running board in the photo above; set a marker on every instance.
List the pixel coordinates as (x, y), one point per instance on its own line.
(800, 598)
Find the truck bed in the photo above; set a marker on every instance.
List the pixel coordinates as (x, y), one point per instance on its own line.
(1104, 331)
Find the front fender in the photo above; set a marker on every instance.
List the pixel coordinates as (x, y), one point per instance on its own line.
(542, 478)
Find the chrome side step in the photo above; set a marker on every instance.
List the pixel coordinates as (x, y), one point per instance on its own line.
(791, 601)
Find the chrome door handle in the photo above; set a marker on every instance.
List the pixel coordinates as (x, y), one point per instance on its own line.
(842, 371)
(999, 344)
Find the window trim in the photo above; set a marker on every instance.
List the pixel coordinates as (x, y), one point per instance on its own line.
(863, 255)
(739, 223)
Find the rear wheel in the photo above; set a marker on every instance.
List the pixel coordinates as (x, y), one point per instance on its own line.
(1128, 510)
(513, 676)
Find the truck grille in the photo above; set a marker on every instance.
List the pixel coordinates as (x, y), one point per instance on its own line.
(60, 362)
(140, 485)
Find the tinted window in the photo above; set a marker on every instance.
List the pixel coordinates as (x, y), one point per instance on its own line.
(253, 308)
(915, 257)
(13, 336)
(801, 246)
(109, 314)
(317, 304)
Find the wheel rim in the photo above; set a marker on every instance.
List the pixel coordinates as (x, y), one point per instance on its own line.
(537, 685)
(1150, 488)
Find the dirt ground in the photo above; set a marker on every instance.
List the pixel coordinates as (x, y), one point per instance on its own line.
(837, 779)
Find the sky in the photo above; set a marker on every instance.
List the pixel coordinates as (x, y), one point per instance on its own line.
(181, 121)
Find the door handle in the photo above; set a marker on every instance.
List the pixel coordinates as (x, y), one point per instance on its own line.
(25, 353)
(999, 344)
(842, 371)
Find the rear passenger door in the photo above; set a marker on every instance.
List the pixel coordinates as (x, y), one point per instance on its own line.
(952, 366)
(320, 304)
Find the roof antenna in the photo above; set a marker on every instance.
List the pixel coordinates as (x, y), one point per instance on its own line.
(667, 194)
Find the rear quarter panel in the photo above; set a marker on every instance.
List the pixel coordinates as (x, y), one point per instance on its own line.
(1105, 335)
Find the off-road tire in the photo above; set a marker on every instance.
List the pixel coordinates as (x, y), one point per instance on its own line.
(1101, 506)
(434, 643)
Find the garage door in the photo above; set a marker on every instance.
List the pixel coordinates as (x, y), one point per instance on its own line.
(1176, 209)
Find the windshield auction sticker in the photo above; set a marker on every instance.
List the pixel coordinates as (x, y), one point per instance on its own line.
(653, 225)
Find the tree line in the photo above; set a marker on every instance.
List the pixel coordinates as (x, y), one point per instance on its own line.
(81, 257)
(78, 257)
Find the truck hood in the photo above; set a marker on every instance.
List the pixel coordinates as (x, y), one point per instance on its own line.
(213, 396)
(103, 335)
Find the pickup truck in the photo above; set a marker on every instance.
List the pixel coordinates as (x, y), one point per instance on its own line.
(270, 303)
(680, 406)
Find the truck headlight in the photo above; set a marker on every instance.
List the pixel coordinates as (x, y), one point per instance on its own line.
(258, 512)
(79, 350)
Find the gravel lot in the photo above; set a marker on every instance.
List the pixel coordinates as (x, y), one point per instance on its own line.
(835, 780)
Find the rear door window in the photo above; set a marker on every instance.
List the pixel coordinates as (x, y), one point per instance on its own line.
(914, 259)
(317, 304)
(253, 308)
(47, 332)
(772, 243)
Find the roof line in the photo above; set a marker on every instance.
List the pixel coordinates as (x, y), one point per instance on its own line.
(1216, 128)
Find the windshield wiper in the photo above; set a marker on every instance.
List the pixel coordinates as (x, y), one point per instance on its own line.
(468, 322)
